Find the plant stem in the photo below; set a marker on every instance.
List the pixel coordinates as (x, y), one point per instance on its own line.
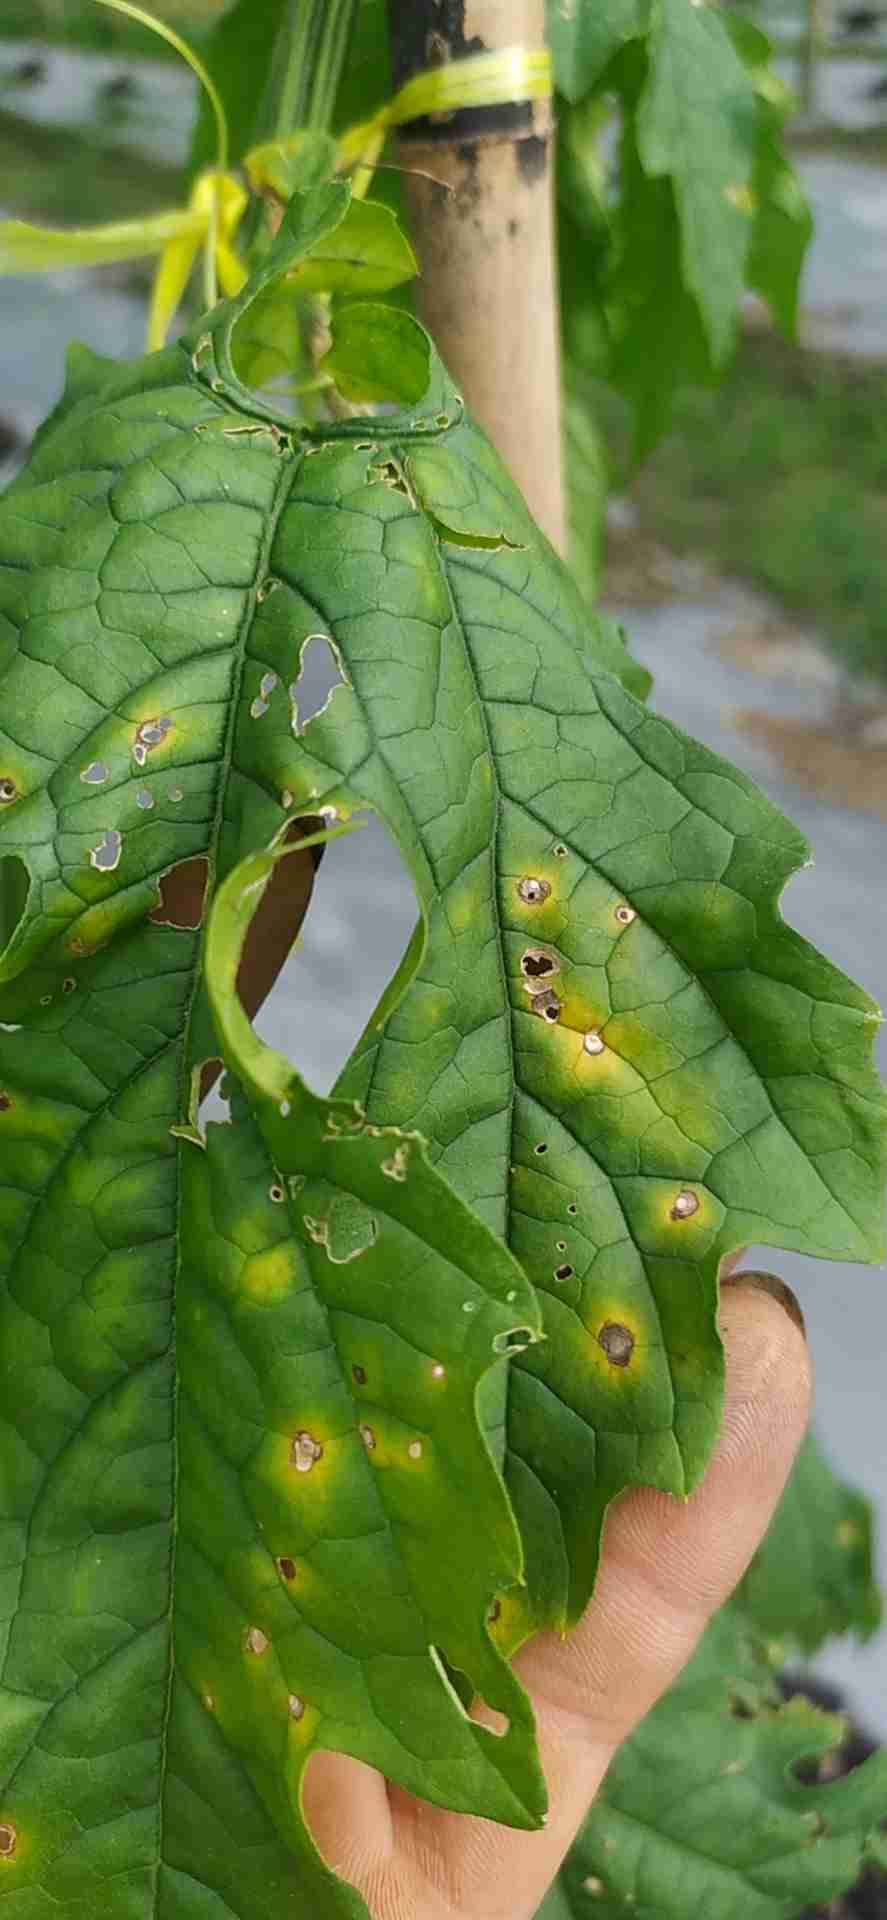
(479, 188)
(314, 46)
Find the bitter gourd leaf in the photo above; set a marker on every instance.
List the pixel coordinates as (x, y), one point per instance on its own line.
(725, 1802)
(623, 1062)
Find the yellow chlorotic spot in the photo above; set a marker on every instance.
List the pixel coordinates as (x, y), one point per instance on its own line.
(269, 1276)
(742, 196)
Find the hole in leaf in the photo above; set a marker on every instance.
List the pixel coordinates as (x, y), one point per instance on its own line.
(182, 895)
(363, 915)
(538, 964)
(320, 673)
(516, 1341)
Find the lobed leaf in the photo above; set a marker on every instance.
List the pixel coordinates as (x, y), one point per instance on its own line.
(623, 1062)
(716, 1804)
(814, 1575)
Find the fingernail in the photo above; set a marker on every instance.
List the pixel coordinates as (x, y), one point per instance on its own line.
(777, 1289)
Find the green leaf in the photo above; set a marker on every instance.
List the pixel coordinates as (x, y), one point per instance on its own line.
(697, 125)
(709, 1807)
(378, 354)
(814, 1575)
(150, 1489)
(584, 35)
(695, 1077)
(781, 234)
(367, 253)
(657, 339)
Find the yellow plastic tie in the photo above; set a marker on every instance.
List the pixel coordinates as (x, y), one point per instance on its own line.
(482, 80)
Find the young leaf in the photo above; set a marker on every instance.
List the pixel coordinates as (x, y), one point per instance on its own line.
(814, 1577)
(707, 1810)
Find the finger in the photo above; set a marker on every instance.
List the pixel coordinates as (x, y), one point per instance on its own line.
(666, 1567)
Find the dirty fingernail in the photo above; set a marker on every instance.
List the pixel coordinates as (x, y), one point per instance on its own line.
(771, 1284)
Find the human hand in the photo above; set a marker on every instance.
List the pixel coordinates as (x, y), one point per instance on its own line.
(666, 1568)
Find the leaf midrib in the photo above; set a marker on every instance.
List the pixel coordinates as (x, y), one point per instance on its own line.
(290, 466)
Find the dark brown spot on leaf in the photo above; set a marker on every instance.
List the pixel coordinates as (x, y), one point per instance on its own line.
(537, 964)
(5, 1103)
(8, 1840)
(563, 1273)
(617, 1342)
(286, 1567)
(359, 1375)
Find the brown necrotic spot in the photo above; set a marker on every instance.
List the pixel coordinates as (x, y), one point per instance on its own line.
(8, 1840)
(592, 1043)
(572, 1208)
(685, 1205)
(532, 891)
(286, 1567)
(276, 1193)
(368, 1437)
(560, 851)
(5, 1103)
(359, 1374)
(150, 734)
(256, 1641)
(296, 1706)
(538, 964)
(305, 1451)
(8, 791)
(548, 1005)
(541, 1148)
(69, 986)
(563, 1273)
(617, 1342)
(625, 915)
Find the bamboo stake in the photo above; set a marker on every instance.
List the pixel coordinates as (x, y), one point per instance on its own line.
(483, 227)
